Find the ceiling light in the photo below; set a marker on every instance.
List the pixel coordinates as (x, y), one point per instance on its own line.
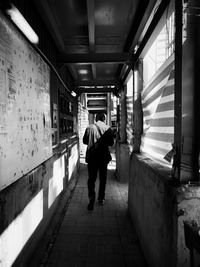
(83, 71)
(22, 24)
(73, 93)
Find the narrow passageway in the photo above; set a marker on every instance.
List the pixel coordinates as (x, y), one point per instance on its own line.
(104, 237)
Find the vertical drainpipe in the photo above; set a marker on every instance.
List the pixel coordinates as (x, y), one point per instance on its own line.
(178, 92)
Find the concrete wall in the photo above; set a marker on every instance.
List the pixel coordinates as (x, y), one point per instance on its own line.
(158, 208)
(188, 200)
(28, 205)
(152, 208)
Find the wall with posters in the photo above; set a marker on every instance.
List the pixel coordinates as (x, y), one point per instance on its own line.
(33, 178)
(25, 122)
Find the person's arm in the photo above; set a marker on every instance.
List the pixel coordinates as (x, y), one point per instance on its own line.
(86, 137)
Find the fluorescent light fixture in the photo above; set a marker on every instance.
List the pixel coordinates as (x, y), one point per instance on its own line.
(73, 93)
(22, 24)
(83, 71)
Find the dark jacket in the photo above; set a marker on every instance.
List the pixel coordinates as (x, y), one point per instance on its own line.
(98, 137)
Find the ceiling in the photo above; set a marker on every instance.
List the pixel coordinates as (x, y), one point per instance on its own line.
(96, 38)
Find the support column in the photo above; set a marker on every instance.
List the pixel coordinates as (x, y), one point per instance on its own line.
(122, 148)
(178, 92)
(123, 114)
(191, 93)
(108, 109)
(137, 106)
(195, 24)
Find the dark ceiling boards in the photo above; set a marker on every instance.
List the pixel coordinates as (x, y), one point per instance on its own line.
(96, 38)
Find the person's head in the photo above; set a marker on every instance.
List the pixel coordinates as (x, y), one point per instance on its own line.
(100, 116)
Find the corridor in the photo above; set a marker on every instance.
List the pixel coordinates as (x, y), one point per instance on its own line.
(61, 64)
(104, 237)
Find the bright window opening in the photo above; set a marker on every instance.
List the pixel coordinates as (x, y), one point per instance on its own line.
(130, 86)
(161, 49)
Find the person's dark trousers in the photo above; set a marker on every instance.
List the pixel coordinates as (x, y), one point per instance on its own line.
(93, 168)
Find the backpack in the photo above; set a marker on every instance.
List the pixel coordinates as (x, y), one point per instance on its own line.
(98, 151)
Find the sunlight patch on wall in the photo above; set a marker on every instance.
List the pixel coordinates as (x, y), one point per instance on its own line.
(130, 86)
(73, 160)
(56, 182)
(13, 239)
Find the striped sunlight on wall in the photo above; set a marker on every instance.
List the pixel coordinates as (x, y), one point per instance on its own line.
(129, 105)
(82, 123)
(158, 113)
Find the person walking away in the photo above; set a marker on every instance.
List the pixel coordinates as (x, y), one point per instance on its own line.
(97, 137)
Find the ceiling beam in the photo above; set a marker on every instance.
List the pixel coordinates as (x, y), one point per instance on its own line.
(91, 31)
(94, 111)
(125, 76)
(93, 58)
(123, 71)
(81, 90)
(91, 28)
(97, 108)
(79, 83)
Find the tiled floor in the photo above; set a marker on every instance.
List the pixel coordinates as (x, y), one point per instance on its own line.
(103, 238)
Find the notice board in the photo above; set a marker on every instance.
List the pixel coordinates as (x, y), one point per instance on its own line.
(25, 121)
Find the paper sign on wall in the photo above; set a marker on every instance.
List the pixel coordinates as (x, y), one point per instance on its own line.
(25, 121)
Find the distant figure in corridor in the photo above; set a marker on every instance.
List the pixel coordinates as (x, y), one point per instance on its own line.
(97, 137)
